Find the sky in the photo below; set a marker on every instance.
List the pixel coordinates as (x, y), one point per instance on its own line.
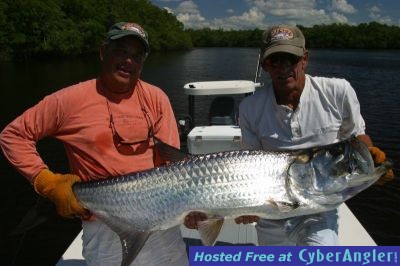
(250, 14)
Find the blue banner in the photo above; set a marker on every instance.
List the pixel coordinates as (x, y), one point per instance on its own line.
(313, 256)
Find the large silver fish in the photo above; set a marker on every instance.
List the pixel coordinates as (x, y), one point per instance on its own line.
(272, 185)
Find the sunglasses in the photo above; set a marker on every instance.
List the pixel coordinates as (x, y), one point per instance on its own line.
(282, 59)
(124, 52)
(126, 141)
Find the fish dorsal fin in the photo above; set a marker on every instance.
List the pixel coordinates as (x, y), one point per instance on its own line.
(168, 152)
(209, 230)
(132, 244)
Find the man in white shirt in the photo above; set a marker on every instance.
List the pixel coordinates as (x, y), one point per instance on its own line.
(299, 111)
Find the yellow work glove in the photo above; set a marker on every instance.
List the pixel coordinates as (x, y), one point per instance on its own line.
(379, 157)
(58, 188)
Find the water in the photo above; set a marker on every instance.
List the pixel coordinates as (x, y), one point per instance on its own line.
(373, 74)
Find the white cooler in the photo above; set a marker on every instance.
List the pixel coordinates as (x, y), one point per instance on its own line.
(210, 139)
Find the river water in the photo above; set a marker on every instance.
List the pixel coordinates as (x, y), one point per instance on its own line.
(373, 74)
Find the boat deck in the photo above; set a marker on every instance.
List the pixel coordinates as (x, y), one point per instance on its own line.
(351, 233)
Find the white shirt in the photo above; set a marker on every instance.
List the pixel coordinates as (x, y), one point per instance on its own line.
(328, 112)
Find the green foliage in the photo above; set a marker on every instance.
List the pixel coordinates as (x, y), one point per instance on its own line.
(337, 36)
(5, 49)
(371, 35)
(32, 28)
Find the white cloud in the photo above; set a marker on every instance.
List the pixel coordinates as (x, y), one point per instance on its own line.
(343, 6)
(375, 15)
(169, 10)
(188, 7)
(189, 14)
(273, 6)
(190, 19)
(384, 20)
(303, 12)
(374, 9)
(261, 13)
(249, 19)
(339, 18)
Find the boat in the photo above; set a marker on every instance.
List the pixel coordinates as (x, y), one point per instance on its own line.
(222, 133)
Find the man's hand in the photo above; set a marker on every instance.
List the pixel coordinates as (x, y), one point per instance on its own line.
(247, 219)
(192, 219)
(58, 188)
(379, 157)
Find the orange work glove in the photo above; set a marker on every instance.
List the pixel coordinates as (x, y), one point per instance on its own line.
(58, 188)
(379, 157)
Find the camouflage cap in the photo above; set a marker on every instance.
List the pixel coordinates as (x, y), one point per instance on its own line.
(284, 39)
(123, 29)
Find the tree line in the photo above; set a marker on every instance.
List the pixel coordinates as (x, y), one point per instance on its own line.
(371, 35)
(43, 28)
(74, 27)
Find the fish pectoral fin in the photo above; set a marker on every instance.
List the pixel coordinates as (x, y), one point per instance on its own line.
(168, 152)
(132, 243)
(284, 206)
(209, 230)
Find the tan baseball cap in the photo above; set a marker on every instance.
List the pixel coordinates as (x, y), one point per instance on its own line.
(284, 39)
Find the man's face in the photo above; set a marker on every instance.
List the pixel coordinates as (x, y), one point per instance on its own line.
(286, 70)
(122, 63)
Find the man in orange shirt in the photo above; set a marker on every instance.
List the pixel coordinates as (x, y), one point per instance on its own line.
(106, 125)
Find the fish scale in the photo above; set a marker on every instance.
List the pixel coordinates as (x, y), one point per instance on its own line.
(269, 184)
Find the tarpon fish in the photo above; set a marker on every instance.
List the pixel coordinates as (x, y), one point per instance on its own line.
(269, 184)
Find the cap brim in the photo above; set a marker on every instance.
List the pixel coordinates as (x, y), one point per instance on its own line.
(283, 48)
(133, 34)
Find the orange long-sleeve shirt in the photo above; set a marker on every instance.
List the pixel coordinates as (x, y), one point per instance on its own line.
(80, 116)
